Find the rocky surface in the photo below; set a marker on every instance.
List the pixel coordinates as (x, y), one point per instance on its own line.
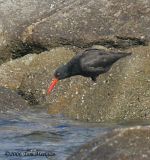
(121, 144)
(16, 17)
(36, 81)
(28, 26)
(11, 101)
(60, 28)
(85, 22)
(121, 94)
(12, 72)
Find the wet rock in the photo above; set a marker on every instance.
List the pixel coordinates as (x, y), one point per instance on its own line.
(12, 72)
(11, 101)
(121, 94)
(121, 144)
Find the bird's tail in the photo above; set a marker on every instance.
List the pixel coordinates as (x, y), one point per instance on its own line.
(124, 54)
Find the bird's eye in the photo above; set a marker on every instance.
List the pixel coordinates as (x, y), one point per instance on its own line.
(57, 74)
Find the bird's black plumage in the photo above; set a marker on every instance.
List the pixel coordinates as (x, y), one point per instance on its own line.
(90, 63)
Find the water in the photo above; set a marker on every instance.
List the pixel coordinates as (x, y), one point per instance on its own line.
(34, 132)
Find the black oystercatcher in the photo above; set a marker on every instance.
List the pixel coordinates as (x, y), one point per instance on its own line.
(90, 63)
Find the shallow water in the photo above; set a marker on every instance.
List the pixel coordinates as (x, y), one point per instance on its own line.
(34, 132)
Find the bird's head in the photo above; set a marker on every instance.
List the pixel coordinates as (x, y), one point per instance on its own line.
(59, 74)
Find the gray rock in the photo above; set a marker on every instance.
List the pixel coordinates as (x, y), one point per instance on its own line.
(16, 17)
(121, 144)
(12, 72)
(28, 26)
(86, 22)
(121, 94)
(11, 101)
(35, 82)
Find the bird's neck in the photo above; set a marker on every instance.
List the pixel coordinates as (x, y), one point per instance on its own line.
(73, 68)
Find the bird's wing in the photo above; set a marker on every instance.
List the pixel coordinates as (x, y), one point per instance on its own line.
(94, 58)
(100, 58)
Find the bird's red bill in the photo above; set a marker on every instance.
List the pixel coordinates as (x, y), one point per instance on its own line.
(52, 85)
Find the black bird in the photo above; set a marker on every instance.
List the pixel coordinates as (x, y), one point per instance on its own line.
(90, 63)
